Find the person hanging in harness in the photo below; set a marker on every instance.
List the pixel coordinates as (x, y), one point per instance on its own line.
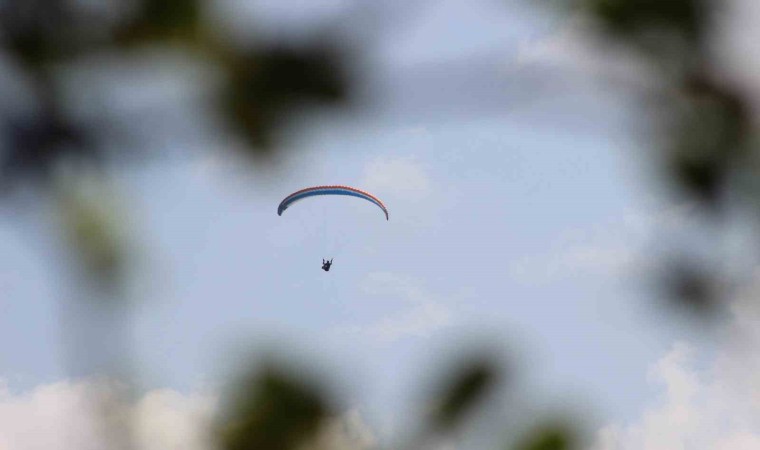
(326, 265)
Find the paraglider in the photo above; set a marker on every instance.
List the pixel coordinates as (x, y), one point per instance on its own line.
(329, 190)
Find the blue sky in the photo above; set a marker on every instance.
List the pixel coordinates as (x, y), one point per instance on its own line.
(530, 226)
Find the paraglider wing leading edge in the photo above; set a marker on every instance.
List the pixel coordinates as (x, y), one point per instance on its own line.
(329, 190)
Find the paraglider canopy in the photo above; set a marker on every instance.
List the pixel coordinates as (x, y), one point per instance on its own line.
(330, 190)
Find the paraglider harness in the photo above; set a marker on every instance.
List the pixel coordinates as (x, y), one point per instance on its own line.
(326, 265)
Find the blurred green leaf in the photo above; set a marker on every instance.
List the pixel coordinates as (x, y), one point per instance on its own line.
(37, 143)
(461, 391)
(163, 20)
(685, 17)
(691, 285)
(266, 86)
(550, 437)
(91, 224)
(33, 30)
(274, 410)
(709, 139)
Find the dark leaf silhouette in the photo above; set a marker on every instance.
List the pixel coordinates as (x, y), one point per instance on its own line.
(266, 85)
(274, 410)
(550, 437)
(460, 393)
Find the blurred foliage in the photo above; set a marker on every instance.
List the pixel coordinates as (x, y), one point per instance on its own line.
(707, 143)
(172, 20)
(692, 286)
(707, 122)
(279, 409)
(707, 134)
(461, 392)
(36, 31)
(711, 136)
(275, 410)
(633, 18)
(45, 146)
(550, 436)
(35, 143)
(90, 219)
(266, 87)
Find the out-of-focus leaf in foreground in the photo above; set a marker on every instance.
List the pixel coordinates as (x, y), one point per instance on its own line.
(461, 391)
(93, 223)
(35, 31)
(264, 85)
(268, 84)
(691, 285)
(274, 410)
(709, 139)
(36, 142)
(156, 20)
(704, 125)
(703, 121)
(631, 17)
(550, 436)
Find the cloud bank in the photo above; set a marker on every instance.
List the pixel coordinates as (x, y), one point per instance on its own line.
(93, 414)
(713, 406)
(76, 414)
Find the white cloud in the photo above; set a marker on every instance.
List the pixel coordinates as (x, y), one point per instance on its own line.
(619, 247)
(71, 415)
(166, 419)
(399, 177)
(421, 316)
(74, 415)
(703, 407)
